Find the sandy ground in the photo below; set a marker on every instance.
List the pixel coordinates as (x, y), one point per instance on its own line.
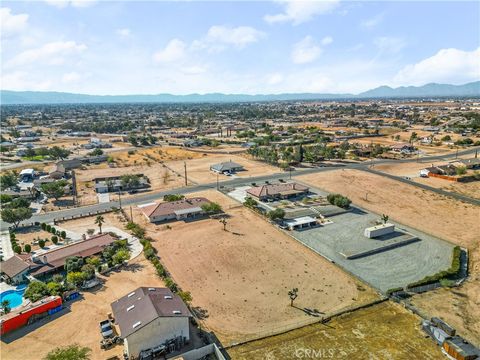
(198, 170)
(440, 216)
(412, 169)
(79, 322)
(242, 276)
(30, 234)
(384, 331)
(80, 225)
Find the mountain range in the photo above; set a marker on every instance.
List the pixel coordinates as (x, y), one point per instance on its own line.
(426, 91)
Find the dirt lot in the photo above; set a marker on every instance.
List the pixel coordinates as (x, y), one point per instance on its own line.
(383, 331)
(440, 216)
(242, 276)
(198, 169)
(30, 235)
(79, 322)
(412, 169)
(79, 225)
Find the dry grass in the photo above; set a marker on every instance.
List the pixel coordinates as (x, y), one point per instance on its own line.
(383, 331)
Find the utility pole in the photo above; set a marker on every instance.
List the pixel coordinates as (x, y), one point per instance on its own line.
(74, 188)
(119, 199)
(185, 166)
(217, 181)
(131, 214)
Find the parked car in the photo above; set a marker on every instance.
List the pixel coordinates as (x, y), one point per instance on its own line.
(106, 329)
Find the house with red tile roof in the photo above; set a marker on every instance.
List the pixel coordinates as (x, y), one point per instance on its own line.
(175, 210)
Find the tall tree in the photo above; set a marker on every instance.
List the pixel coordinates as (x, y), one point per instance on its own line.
(99, 221)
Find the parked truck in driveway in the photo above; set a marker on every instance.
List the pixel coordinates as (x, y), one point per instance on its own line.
(106, 329)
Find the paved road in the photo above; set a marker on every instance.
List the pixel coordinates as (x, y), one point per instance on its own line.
(152, 196)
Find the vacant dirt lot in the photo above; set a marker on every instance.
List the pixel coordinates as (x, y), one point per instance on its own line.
(242, 276)
(198, 169)
(383, 331)
(79, 323)
(440, 216)
(412, 169)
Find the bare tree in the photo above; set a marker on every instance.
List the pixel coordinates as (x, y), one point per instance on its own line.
(224, 222)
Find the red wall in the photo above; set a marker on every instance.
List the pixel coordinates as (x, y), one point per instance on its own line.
(21, 319)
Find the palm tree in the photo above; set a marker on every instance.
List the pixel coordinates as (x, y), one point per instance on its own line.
(385, 218)
(293, 295)
(99, 221)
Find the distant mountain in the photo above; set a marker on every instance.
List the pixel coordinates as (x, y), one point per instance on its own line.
(429, 90)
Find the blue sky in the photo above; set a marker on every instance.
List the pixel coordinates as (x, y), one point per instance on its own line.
(107, 47)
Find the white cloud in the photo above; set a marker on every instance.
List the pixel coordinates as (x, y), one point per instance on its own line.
(11, 24)
(274, 79)
(75, 3)
(125, 32)
(372, 22)
(71, 77)
(20, 80)
(388, 44)
(193, 70)
(305, 51)
(218, 37)
(447, 65)
(52, 53)
(299, 12)
(174, 51)
(327, 40)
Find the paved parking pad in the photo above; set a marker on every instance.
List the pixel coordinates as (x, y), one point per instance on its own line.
(393, 267)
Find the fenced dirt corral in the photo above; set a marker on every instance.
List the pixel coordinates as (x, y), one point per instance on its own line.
(242, 276)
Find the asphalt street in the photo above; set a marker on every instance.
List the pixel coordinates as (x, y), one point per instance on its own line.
(153, 196)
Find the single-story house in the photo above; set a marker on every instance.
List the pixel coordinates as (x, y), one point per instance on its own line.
(439, 170)
(277, 191)
(54, 259)
(174, 210)
(149, 317)
(403, 148)
(58, 172)
(228, 166)
(70, 164)
(114, 184)
(15, 269)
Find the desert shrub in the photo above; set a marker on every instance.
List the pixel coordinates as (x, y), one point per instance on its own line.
(339, 200)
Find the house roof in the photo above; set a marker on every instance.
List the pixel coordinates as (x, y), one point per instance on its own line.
(55, 258)
(167, 208)
(226, 166)
(276, 189)
(14, 266)
(145, 304)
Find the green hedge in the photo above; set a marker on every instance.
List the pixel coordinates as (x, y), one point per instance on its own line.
(450, 272)
(151, 255)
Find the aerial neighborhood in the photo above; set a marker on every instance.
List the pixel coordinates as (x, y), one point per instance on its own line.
(242, 180)
(173, 233)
